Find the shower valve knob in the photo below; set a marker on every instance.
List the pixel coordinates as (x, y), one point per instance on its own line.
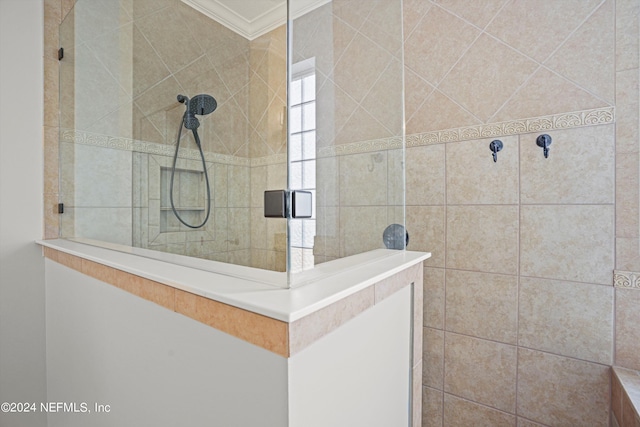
(544, 141)
(495, 146)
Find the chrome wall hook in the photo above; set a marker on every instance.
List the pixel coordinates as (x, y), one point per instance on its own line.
(544, 141)
(495, 146)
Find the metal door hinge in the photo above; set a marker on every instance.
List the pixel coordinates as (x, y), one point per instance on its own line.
(288, 204)
(60, 54)
(60, 208)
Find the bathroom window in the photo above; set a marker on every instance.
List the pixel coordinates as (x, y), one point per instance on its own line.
(302, 153)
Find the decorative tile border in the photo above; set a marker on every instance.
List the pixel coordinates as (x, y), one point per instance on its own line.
(593, 117)
(273, 159)
(626, 279)
(361, 147)
(128, 144)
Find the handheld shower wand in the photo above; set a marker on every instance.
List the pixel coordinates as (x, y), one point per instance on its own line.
(200, 105)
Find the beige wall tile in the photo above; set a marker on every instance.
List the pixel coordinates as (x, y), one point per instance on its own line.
(416, 405)
(616, 396)
(52, 19)
(478, 13)
(433, 358)
(70, 261)
(260, 330)
(439, 112)
(384, 26)
(627, 254)
(396, 181)
(361, 126)
(425, 225)
(545, 93)
(432, 405)
(327, 181)
(614, 421)
(627, 110)
(482, 371)
(461, 413)
(559, 391)
(580, 167)
(51, 155)
(629, 418)
(148, 68)
(425, 172)
(588, 56)
(526, 423)
(482, 305)
(99, 271)
(628, 328)
(418, 317)
(434, 297)
(363, 179)
(416, 91)
(483, 238)
(310, 328)
(51, 216)
(360, 66)
(571, 319)
(438, 35)
(327, 239)
(239, 187)
(391, 285)
(52, 254)
(388, 87)
(554, 238)
(500, 69)
(474, 178)
(627, 34)
(51, 91)
(520, 24)
(147, 289)
(176, 47)
(66, 5)
(361, 229)
(627, 195)
(333, 109)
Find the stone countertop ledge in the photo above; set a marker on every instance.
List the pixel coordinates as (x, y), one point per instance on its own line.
(283, 321)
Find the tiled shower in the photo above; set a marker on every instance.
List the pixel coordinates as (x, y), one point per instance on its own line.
(522, 319)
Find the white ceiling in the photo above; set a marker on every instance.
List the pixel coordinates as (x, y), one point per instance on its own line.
(253, 18)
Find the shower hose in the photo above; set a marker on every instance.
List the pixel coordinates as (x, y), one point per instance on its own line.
(204, 169)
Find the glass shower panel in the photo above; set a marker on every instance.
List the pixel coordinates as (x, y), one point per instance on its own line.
(347, 145)
(125, 63)
(95, 121)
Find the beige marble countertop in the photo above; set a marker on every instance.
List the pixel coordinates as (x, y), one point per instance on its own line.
(331, 282)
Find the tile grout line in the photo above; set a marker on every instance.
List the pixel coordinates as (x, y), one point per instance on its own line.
(519, 272)
(445, 269)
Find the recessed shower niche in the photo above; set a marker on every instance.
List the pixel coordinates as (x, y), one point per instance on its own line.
(189, 198)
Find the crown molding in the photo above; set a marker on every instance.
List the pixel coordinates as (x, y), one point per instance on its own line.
(253, 27)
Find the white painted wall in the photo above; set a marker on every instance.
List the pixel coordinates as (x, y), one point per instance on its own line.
(22, 316)
(358, 375)
(154, 367)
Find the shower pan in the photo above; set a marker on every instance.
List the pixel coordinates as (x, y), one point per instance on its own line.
(174, 121)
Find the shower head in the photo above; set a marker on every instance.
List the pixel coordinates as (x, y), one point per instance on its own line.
(191, 122)
(202, 104)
